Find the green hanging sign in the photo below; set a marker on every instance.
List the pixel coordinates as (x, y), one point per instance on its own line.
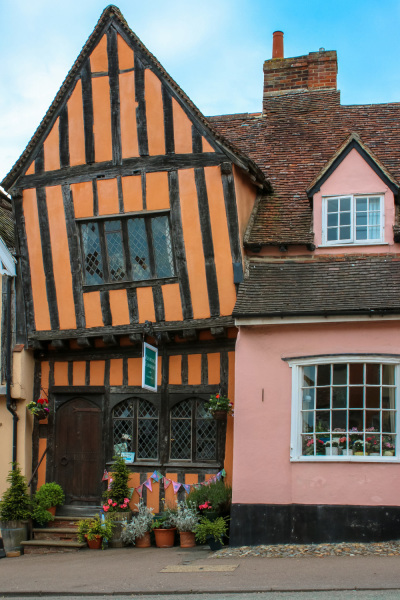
(149, 367)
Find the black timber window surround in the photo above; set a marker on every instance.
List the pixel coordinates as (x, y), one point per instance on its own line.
(192, 432)
(130, 248)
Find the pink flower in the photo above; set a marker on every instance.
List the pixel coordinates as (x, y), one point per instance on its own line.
(109, 501)
(105, 508)
(114, 504)
(122, 505)
(126, 500)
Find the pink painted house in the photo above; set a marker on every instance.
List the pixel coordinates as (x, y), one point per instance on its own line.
(316, 450)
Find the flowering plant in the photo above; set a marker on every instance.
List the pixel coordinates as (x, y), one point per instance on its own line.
(387, 443)
(36, 407)
(113, 506)
(205, 506)
(358, 445)
(219, 402)
(309, 449)
(141, 523)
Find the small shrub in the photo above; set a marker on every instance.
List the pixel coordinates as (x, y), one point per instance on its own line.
(217, 496)
(165, 520)
(90, 528)
(50, 494)
(217, 529)
(16, 504)
(186, 517)
(116, 499)
(139, 525)
(40, 514)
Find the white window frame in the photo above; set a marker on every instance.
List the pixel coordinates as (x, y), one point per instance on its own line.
(296, 422)
(352, 239)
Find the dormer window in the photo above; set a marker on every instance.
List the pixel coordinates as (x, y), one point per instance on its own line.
(352, 220)
(132, 248)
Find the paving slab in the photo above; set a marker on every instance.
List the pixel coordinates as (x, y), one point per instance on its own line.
(141, 571)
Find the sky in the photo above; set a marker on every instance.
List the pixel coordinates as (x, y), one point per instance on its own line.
(214, 49)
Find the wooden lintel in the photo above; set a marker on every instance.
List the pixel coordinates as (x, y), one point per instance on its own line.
(189, 334)
(135, 338)
(218, 332)
(166, 337)
(84, 342)
(61, 344)
(110, 340)
(37, 345)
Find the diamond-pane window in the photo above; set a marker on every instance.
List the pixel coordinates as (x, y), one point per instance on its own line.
(139, 249)
(162, 247)
(135, 428)
(193, 432)
(93, 259)
(116, 261)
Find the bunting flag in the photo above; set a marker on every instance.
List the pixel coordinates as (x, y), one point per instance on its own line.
(177, 486)
(186, 487)
(155, 476)
(110, 480)
(167, 482)
(139, 490)
(105, 475)
(148, 484)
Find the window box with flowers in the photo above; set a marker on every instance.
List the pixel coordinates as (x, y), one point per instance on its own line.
(345, 408)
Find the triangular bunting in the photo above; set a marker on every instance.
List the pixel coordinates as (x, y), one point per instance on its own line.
(155, 476)
(105, 475)
(148, 484)
(186, 487)
(223, 473)
(176, 486)
(139, 490)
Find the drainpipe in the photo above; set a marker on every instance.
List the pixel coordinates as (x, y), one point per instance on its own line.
(8, 374)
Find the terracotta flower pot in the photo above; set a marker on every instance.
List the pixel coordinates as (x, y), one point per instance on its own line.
(144, 541)
(52, 510)
(165, 538)
(94, 544)
(188, 539)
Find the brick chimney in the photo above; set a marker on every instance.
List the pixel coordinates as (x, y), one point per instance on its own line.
(312, 72)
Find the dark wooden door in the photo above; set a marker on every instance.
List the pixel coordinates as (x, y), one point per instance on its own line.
(78, 457)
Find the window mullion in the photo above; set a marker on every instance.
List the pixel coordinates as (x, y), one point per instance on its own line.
(103, 246)
(125, 245)
(194, 432)
(150, 247)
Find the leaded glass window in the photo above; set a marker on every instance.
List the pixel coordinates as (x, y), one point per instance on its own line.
(129, 249)
(193, 432)
(135, 428)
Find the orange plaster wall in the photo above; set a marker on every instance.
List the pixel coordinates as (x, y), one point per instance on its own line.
(175, 370)
(194, 369)
(116, 371)
(97, 370)
(51, 148)
(134, 482)
(60, 255)
(125, 54)
(76, 132)
(31, 169)
(98, 58)
(157, 193)
(107, 190)
(82, 196)
(135, 371)
(44, 378)
(153, 497)
(132, 193)
(246, 194)
(193, 244)
(78, 372)
(93, 314)
(182, 130)
(38, 279)
(101, 119)
(222, 249)
(128, 105)
(206, 146)
(61, 373)
(214, 366)
(42, 469)
(119, 307)
(172, 302)
(170, 499)
(159, 370)
(154, 113)
(145, 304)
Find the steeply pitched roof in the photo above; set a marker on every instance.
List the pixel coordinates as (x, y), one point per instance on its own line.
(363, 285)
(293, 141)
(113, 14)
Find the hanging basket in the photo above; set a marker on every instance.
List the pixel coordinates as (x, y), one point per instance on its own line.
(42, 414)
(219, 415)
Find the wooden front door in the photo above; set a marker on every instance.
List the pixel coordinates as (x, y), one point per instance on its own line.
(78, 456)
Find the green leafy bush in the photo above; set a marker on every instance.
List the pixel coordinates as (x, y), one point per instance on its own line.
(116, 499)
(40, 514)
(186, 517)
(217, 496)
(217, 529)
(50, 494)
(141, 523)
(16, 503)
(90, 528)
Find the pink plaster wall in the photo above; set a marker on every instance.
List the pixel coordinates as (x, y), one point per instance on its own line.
(352, 176)
(262, 471)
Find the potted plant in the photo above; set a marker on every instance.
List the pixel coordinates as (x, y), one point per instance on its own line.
(137, 531)
(388, 447)
(39, 408)
(186, 519)
(15, 509)
(116, 500)
(219, 406)
(95, 531)
(332, 448)
(40, 515)
(50, 495)
(164, 529)
(212, 500)
(212, 532)
(345, 445)
(374, 445)
(358, 447)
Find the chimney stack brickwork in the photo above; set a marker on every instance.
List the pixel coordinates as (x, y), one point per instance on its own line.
(312, 72)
